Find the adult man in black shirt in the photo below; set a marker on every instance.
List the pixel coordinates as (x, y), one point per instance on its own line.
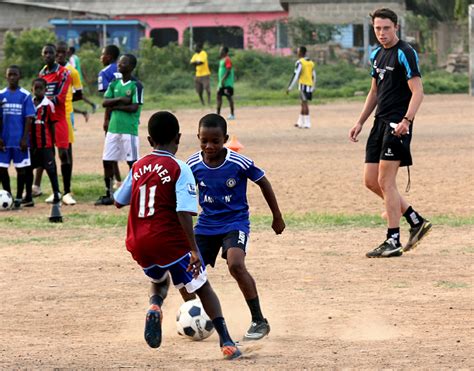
(397, 92)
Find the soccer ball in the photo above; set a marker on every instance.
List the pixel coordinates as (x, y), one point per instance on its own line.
(6, 200)
(192, 322)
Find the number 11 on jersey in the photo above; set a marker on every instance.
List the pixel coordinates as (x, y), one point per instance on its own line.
(151, 201)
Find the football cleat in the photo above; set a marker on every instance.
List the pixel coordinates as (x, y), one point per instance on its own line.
(257, 330)
(154, 317)
(417, 234)
(387, 249)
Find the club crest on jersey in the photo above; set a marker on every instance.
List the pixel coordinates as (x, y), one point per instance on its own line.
(129, 92)
(192, 189)
(231, 182)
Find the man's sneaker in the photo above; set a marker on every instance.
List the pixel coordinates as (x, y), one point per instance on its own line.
(50, 199)
(417, 234)
(104, 201)
(27, 202)
(231, 117)
(36, 191)
(153, 326)
(68, 200)
(257, 330)
(230, 351)
(387, 249)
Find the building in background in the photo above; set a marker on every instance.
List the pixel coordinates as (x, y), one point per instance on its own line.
(125, 34)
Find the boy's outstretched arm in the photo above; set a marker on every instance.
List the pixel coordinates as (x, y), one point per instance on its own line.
(186, 221)
(278, 224)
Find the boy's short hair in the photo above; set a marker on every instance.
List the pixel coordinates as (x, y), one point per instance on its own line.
(72, 49)
(61, 44)
(163, 127)
(113, 51)
(14, 67)
(213, 120)
(386, 14)
(225, 49)
(132, 59)
(41, 80)
(49, 45)
(303, 50)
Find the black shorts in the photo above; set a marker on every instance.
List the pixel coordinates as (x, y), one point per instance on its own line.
(209, 245)
(383, 145)
(306, 95)
(227, 91)
(43, 157)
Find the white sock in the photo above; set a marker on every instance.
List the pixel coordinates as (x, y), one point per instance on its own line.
(300, 121)
(306, 121)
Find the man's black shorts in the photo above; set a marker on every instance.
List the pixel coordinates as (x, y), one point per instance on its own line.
(383, 145)
(43, 157)
(227, 91)
(209, 245)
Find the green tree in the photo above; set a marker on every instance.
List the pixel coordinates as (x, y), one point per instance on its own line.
(441, 10)
(304, 32)
(25, 49)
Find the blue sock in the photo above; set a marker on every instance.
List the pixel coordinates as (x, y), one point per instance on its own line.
(221, 328)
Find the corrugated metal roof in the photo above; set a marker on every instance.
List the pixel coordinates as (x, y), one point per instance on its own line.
(119, 7)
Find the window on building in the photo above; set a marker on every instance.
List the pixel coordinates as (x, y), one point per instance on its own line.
(89, 37)
(164, 36)
(358, 35)
(281, 38)
(232, 37)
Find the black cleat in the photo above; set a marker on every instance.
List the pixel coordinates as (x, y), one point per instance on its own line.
(389, 248)
(153, 326)
(417, 234)
(104, 201)
(257, 330)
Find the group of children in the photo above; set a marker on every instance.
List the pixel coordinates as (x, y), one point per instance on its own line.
(160, 189)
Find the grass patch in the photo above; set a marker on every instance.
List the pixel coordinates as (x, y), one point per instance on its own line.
(451, 285)
(97, 218)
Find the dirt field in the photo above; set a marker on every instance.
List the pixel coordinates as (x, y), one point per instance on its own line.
(72, 297)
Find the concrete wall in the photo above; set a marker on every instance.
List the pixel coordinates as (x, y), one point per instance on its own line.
(340, 12)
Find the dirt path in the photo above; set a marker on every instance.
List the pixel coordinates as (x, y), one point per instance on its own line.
(72, 296)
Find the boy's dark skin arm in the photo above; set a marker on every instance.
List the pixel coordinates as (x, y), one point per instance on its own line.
(107, 114)
(26, 132)
(278, 224)
(120, 104)
(186, 221)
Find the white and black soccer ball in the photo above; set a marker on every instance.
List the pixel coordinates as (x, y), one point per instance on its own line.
(6, 200)
(193, 322)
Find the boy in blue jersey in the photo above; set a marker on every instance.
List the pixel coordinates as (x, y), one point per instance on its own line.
(396, 93)
(221, 175)
(16, 115)
(109, 58)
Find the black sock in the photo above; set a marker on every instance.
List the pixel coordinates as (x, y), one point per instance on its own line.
(20, 185)
(394, 233)
(28, 182)
(156, 299)
(5, 178)
(412, 217)
(254, 306)
(66, 171)
(221, 328)
(108, 186)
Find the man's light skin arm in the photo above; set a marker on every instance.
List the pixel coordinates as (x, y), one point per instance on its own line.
(369, 106)
(416, 88)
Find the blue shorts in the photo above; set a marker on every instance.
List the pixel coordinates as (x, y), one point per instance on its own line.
(20, 158)
(180, 277)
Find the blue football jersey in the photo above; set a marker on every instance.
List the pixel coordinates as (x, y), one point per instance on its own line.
(106, 76)
(15, 106)
(223, 193)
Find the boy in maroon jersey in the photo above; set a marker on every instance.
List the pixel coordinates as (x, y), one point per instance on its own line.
(161, 192)
(42, 141)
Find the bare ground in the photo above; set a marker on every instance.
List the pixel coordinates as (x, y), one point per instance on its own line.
(73, 297)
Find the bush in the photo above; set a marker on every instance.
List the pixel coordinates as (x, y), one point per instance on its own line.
(24, 50)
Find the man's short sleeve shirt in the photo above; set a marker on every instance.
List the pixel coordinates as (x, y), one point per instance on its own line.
(392, 68)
